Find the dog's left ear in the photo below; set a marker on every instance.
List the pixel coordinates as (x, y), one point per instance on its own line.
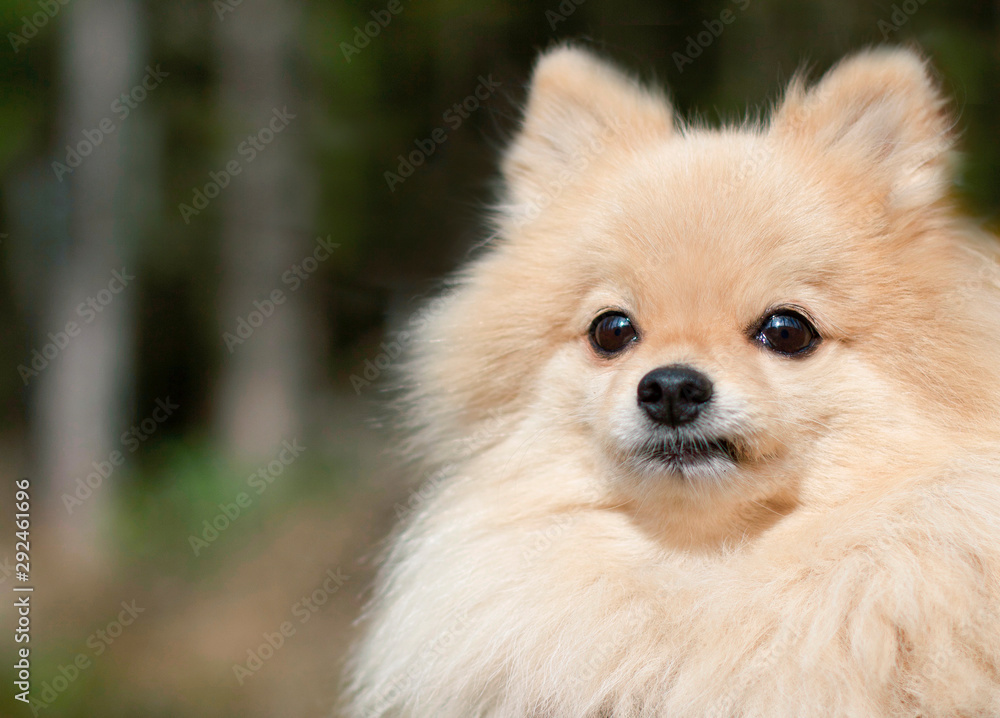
(881, 113)
(578, 107)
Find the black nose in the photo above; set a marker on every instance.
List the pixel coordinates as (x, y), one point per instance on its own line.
(674, 395)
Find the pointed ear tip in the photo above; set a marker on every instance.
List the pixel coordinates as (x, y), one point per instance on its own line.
(573, 70)
(888, 64)
(566, 59)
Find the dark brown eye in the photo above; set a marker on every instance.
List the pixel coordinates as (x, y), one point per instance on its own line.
(611, 332)
(787, 332)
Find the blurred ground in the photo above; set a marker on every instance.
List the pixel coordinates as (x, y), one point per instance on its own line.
(299, 556)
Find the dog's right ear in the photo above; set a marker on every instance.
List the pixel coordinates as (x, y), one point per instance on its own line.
(578, 105)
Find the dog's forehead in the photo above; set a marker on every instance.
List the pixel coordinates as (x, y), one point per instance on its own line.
(707, 184)
(698, 206)
(707, 224)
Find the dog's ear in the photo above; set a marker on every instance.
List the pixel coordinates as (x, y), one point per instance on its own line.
(578, 106)
(882, 113)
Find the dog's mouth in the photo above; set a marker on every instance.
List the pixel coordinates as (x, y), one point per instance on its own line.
(686, 454)
(694, 450)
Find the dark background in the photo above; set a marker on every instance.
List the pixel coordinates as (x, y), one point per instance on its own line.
(143, 531)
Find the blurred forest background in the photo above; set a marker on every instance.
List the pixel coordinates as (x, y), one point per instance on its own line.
(202, 254)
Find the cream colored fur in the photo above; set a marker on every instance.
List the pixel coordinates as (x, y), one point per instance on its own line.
(850, 565)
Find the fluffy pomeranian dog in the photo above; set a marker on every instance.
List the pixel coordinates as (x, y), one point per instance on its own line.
(712, 429)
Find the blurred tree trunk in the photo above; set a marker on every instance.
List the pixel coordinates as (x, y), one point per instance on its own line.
(266, 211)
(79, 403)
